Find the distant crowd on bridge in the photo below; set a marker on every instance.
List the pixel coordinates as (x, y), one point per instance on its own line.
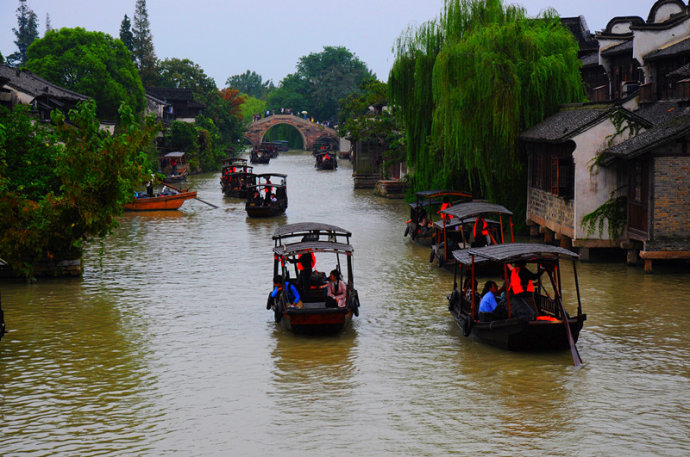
(288, 111)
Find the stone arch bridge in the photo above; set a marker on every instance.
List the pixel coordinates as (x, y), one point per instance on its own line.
(310, 131)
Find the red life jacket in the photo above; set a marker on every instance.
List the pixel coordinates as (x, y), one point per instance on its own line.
(444, 215)
(313, 261)
(515, 284)
(484, 228)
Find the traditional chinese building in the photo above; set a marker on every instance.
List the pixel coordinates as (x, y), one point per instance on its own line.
(615, 172)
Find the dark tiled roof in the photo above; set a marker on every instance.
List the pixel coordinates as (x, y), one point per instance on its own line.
(582, 35)
(680, 73)
(590, 60)
(170, 95)
(26, 81)
(681, 47)
(658, 112)
(623, 48)
(660, 134)
(566, 123)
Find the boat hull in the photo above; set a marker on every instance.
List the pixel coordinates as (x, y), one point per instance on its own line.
(320, 320)
(163, 202)
(520, 335)
(254, 210)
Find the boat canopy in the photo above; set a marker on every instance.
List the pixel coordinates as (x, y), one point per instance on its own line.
(234, 161)
(473, 209)
(308, 228)
(174, 155)
(268, 175)
(511, 252)
(312, 246)
(442, 193)
(264, 185)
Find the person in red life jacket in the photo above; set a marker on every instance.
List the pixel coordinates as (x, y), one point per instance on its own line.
(481, 233)
(522, 284)
(305, 263)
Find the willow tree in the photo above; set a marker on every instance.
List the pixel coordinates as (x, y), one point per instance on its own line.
(495, 73)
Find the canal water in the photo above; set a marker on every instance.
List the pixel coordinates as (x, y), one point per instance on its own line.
(165, 347)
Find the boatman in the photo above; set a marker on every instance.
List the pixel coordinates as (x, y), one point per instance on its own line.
(481, 232)
(293, 298)
(522, 285)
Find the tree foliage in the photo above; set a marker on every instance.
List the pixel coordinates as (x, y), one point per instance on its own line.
(91, 63)
(469, 83)
(62, 186)
(251, 83)
(222, 119)
(126, 35)
(250, 107)
(26, 32)
(321, 80)
(142, 44)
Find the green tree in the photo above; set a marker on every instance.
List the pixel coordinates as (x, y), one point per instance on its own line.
(320, 81)
(26, 32)
(177, 73)
(91, 63)
(142, 44)
(2, 59)
(251, 83)
(64, 185)
(126, 35)
(468, 84)
(251, 106)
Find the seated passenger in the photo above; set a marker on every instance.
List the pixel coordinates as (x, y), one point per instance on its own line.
(293, 297)
(336, 291)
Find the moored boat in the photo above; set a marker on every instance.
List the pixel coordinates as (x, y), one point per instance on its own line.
(427, 203)
(292, 244)
(235, 177)
(174, 166)
(519, 322)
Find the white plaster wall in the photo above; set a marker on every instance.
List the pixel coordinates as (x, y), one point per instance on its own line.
(345, 145)
(605, 44)
(621, 28)
(592, 187)
(666, 11)
(646, 41)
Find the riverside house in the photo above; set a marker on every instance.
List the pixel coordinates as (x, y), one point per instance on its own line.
(615, 172)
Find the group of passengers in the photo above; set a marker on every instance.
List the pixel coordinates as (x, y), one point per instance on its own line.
(493, 301)
(335, 294)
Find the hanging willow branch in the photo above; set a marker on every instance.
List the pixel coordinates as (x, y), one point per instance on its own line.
(469, 84)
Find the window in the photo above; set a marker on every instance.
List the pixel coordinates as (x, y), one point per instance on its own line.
(553, 172)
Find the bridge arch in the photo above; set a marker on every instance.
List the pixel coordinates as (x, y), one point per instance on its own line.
(309, 131)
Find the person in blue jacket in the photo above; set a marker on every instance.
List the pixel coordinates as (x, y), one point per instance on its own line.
(293, 296)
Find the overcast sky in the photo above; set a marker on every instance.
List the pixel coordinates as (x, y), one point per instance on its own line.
(228, 37)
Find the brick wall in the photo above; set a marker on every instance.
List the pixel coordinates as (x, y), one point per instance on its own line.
(554, 212)
(671, 217)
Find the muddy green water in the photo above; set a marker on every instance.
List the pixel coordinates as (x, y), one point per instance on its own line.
(165, 347)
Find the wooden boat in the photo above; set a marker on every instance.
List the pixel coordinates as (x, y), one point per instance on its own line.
(174, 166)
(268, 197)
(272, 148)
(235, 177)
(427, 203)
(328, 242)
(326, 161)
(259, 156)
(455, 230)
(553, 328)
(159, 202)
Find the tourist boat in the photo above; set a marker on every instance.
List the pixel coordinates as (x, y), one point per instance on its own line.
(268, 197)
(272, 148)
(259, 156)
(326, 161)
(235, 177)
(282, 145)
(163, 201)
(461, 227)
(174, 166)
(553, 328)
(330, 243)
(427, 203)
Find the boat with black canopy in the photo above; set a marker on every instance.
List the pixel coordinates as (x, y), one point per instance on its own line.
(428, 203)
(235, 177)
(533, 319)
(268, 197)
(260, 155)
(466, 225)
(295, 243)
(326, 160)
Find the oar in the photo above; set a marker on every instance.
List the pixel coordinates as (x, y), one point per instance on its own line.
(182, 191)
(577, 361)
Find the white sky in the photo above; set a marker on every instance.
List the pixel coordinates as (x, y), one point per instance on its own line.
(227, 37)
